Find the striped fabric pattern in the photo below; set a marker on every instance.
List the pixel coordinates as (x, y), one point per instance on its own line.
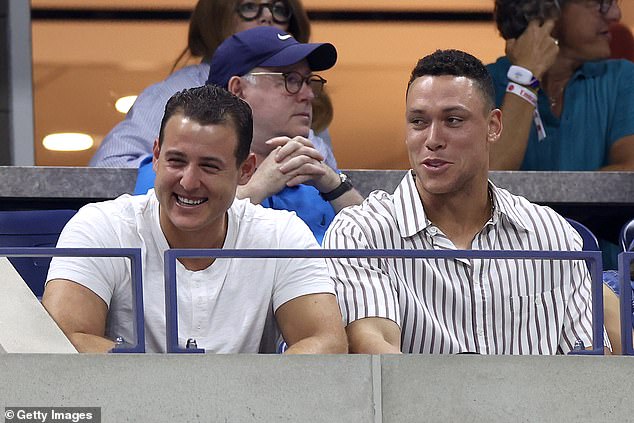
(458, 305)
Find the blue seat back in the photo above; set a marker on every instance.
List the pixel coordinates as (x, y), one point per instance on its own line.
(626, 237)
(590, 242)
(32, 228)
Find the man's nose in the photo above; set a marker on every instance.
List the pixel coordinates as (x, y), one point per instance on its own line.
(434, 140)
(190, 179)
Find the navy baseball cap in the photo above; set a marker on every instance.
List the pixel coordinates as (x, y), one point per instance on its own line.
(269, 47)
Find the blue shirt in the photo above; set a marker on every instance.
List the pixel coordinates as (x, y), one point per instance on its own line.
(128, 143)
(598, 111)
(304, 200)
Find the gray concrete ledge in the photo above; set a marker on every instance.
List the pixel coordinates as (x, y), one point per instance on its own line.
(541, 187)
(249, 388)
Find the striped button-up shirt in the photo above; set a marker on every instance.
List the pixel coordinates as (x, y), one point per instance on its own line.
(459, 305)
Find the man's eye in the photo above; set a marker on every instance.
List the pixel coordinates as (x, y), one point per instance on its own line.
(294, 78)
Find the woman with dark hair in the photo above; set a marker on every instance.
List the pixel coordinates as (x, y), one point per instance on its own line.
(130, 142)
(565, 106)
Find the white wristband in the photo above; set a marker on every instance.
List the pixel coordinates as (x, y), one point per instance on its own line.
(523, 92)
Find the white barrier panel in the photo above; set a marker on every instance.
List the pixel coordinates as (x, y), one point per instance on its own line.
(25, 326)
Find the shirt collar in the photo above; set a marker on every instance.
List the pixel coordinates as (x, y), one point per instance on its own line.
(503, 207)
(591, 69)
(410, 213)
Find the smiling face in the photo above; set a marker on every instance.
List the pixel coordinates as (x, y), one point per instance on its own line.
(590, 40)
(448, 134)
(196, 179)
(275, 111)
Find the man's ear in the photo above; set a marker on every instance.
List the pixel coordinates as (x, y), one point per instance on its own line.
(156, 151)
(236, 87)
(495, 125)
(247, 169)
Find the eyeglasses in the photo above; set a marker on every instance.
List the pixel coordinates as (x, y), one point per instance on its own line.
(280, 12)
(293, 81)
(604, 5)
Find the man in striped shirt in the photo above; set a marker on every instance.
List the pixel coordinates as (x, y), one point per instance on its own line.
(447, 202)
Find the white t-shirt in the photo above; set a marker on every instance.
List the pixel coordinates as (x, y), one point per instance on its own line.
(225, 307)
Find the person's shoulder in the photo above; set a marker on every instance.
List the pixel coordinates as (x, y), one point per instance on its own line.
(501, 65)
(122, 210)
(255, 219)
(539, 219)
(616, 68)
(187, 77)
(378, 206)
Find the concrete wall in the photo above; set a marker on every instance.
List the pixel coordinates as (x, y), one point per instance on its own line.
(373, 389)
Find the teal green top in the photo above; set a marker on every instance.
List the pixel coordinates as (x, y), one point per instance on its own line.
(598, 111)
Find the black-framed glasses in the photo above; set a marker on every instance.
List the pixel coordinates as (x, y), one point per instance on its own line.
(280, 12)
(293, 81)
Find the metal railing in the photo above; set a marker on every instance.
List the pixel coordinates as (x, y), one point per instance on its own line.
(591, 257)
(134, 254)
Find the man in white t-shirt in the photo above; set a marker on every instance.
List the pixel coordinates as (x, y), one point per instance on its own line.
(227, 305)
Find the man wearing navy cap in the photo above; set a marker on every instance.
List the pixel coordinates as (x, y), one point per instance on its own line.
(272, 72)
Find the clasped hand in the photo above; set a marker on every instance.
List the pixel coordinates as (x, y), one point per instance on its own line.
(292, 161)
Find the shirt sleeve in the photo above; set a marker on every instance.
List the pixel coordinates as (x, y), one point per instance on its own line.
(364, 287)
(299, 276)
(577, 324)
(323, 144)
(90, 228)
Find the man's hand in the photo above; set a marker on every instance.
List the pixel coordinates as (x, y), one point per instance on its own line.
(301, 162)
(293, 161)
(535, 50)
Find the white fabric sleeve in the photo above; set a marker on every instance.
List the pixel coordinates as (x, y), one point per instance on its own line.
(90, 228)
(295, 277)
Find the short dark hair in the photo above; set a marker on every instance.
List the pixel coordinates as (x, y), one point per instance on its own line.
(457, 63)
(212, 105)
(512, 16)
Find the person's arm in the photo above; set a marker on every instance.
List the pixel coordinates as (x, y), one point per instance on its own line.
(374, 335)
(80, 314)
(621, 155)
(612, 318)
(311, 324)
(536, 51)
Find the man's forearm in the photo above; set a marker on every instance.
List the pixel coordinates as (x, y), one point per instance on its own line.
(517, 117)
(325, 344)
(86, 343)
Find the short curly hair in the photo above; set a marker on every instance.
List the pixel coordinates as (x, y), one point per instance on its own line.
(512, 16)
(457, 63)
